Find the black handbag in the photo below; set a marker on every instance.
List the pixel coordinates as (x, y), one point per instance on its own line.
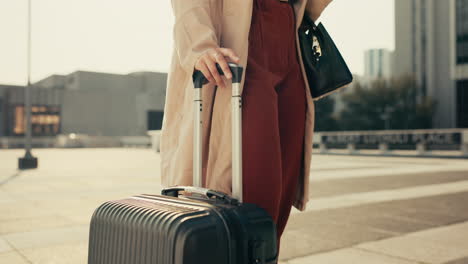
(326, 69)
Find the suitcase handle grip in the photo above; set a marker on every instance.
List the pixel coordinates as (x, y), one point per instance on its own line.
(175, 191)
(199, 79)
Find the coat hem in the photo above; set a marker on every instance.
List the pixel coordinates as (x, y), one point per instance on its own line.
(300, 205)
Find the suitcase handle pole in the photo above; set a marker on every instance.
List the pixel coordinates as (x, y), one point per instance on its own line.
(236, 110)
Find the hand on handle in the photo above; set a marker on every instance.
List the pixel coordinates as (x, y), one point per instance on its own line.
(199, 78)
(208, 61)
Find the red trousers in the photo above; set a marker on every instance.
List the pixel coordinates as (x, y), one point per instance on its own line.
(274, 112)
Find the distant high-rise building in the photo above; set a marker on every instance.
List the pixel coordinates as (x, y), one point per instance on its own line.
(461, 68)
(378, 63)
(432, 44)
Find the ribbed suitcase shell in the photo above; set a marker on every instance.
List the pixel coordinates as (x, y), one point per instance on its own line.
(159, 229)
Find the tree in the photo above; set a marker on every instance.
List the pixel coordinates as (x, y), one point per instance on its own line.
(324, 119)
(386, 104)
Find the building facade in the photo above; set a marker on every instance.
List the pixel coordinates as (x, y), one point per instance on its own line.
(429, 42)
(90, 103)
(378, 63)
(461, 55)
(45, 111)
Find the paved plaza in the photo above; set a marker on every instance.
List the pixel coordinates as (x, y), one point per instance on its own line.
(363, 209)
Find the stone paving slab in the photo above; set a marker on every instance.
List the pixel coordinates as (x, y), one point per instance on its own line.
(439, 245)
(12, 257)
(70, 183)
(302, 245)
(17, 210)
(442, 245)
(385, 195)
(48, 237)
(337, 187)
(463, 260)
(350, 256)
(328, 237)
(397, 153)
(325, 230)
(4, 246)
(69, 253)
(386, 166)
(6, 197)
(32, 224)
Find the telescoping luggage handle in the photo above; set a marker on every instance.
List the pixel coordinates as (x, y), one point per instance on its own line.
(236, 110)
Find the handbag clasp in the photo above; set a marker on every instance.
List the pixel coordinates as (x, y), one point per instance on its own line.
(316, 48)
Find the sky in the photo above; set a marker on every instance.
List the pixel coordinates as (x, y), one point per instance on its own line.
(123, 36)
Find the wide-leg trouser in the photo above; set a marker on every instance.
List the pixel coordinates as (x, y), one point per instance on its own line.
(274, 112)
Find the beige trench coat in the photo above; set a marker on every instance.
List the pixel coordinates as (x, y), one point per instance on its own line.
(200, 25)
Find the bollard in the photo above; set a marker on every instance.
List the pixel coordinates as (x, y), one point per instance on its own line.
(383, 147)
(464, 143)
(464, 150)
(352, 148)
(421, 149)
(323, 148)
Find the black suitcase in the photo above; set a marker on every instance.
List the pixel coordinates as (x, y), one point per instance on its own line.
(185, 224)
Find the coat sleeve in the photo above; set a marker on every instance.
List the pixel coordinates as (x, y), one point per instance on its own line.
(196, 29)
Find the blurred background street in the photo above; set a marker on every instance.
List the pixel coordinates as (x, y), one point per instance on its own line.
(362, 209)
(82, 101)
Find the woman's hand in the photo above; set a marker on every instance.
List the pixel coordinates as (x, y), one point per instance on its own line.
(207, 64)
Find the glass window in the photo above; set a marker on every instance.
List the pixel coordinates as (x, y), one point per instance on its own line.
(462, 104)
(19, 119)
(462, 31)
(45, 120)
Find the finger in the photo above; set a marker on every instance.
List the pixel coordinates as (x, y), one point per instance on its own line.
(224, 66)
(229, 53)
(206, 72)
(214, 72)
